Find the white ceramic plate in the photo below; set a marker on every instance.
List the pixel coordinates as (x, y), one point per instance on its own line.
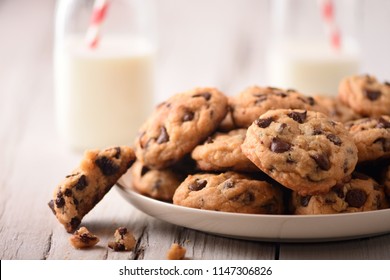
(284, 228)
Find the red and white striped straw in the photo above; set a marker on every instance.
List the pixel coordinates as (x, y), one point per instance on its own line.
(327, 11)
(98, 15)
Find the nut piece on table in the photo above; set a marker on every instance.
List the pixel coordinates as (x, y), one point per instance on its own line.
(124, 240)
(83, 238)
(176, 252)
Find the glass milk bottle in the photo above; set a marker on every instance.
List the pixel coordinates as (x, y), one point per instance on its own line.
(313, 45)
(104, 70)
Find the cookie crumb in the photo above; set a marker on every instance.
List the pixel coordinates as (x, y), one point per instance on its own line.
(124, 240)
(83, 238)
(176, 252)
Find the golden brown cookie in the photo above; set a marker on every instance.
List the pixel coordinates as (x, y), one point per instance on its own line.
(229, 192)
(371, 136)
(178, 125)
(255, 101)
(365, 95)
(222, 152)
(305, 151)
(158, 184)
(99, 170)
(336, 110)
(359, 194)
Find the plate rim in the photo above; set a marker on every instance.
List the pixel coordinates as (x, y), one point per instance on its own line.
(278, 221)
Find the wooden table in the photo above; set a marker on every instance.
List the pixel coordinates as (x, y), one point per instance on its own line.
(33, 159)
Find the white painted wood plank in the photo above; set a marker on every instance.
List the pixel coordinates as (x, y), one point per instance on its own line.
(33, 159)
(375, 248)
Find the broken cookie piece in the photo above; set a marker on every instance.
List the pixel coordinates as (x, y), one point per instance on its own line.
(83, 238)
(80, 191)
(124, 240)
(176, 252)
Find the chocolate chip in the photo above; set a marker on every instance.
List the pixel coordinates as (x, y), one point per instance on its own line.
(116, 246)
(197, 185)
(72, 175)
(279, 146)
(281, 127)
(387, 83)
(382, 123)
(60, 201)
(74, 222)
(163, 137)
(311, 101)
(86, 238)
(384, 142)
(248, 198)
(205, 95)
(298, 116)
(317, 131)
(263, 123)
(360, 176)
(228, 184)
(144, 170)
(75, 201)
(338, 189)
(356, 198)
(81, 183)
(322, 161)
(106, 166)
(188, 116)
(373, 94)
(291, 90)
(51, 205)
(157, 184)
(261, 98)
(68, 192)
(122, 231)
(334, 139)
(281, 94)
(304, 200)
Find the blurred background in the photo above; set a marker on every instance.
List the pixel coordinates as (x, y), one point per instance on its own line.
(208, 42)
(199, 43)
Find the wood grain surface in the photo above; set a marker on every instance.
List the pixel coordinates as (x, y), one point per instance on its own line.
(33, 160)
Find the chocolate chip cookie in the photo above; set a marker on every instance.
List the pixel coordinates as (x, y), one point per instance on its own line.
(159, 184)
(305, 151)
(359, 194)
(222, 152)
(178, 125)
(80, 191)
(229, 192)
(255, 101)
(336, 110)
(365, 95)
(371, 136)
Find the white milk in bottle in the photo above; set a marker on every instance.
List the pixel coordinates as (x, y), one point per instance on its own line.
(312, 44)
(311, 67)
(103, 93)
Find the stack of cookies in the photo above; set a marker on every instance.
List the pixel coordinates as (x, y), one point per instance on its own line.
(264, 151)
(269, 150)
